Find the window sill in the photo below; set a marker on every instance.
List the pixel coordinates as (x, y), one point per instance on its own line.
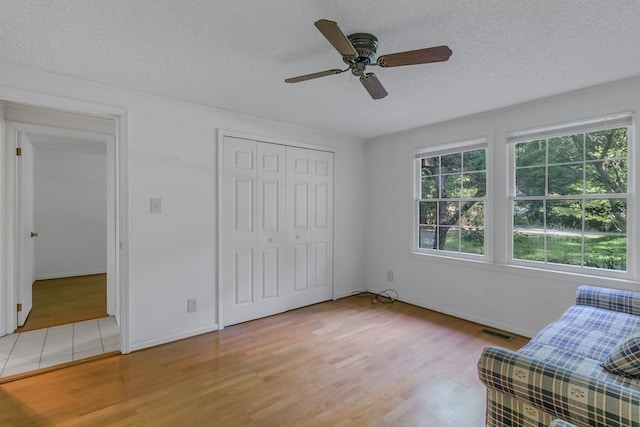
(528, 271)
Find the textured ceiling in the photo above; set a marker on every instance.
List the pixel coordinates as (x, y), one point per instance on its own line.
(236, 54)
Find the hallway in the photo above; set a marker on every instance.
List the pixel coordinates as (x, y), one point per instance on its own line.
(27, 351)
(68, 322)
(67, 300)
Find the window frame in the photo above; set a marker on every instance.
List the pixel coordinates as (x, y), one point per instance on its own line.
(620, 120)
(444, 149)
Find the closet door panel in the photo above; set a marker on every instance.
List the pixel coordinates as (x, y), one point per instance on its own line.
(271, 237)
(270, 272)
(310, 179)
(277, 228)
(300, 268)
(238, 225)
(320, 255)
(243, 276)
(301, 206)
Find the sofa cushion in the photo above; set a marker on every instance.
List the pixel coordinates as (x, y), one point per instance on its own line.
(587, 331)
(611, 322)
(624, 358)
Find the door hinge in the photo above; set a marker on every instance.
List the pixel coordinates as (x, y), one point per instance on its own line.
(19, 307)
(18, 151)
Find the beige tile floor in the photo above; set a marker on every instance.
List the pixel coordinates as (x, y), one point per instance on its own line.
(27, 351)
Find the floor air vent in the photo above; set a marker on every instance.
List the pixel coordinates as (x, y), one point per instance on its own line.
(497, 334)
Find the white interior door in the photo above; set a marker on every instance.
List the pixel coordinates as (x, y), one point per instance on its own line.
(253, 230)
(276, 251)
(310, 224)
(27, 232)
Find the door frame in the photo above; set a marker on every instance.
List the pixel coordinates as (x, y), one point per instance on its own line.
(118, 176)
(220, 176)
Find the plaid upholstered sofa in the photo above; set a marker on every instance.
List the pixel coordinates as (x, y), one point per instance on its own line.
(583, 369)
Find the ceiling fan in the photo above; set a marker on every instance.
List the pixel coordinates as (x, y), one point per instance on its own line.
(359, 51)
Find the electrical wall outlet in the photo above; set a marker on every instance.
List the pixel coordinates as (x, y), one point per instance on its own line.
(192, 305)
(389, 276)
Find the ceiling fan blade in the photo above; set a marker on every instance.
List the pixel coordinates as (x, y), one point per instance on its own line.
(373, 86)
(411, 57)
(336, 37)
(313, 76)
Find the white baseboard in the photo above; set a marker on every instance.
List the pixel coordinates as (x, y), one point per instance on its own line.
(469, 317)
(349, 293)
(174, 337)
(71, 274)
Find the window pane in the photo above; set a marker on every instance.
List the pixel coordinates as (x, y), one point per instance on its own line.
(564, 247)
(428, 237)
(452, 186)
(474, 184)
(528, 245)
(566, 149)
(565, 179)
(564, 215)
(429, 184)
(449, 238)
(607, 251)
(531, 153)
(564, 232)
(607, 144)
(451, 163)
(528, 214)
(530, 181)
(606, 216)
(428, 213)
(606, 177)
(474, 160)
(472, 240)
(449, 213)
(472, 214)
(432, 163)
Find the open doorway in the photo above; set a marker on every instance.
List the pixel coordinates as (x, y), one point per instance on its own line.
(62, 225)
(64, 214)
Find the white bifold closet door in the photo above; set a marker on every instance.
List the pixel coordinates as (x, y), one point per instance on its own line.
(277, 228)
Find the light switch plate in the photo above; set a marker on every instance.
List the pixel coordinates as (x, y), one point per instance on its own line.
(156, 205)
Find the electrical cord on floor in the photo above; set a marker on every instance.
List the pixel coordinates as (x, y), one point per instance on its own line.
(388, 296)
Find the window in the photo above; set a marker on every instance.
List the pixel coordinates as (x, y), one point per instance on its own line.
(570, 195)
(451, 189)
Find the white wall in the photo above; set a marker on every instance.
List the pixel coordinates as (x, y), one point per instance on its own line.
(515, 299)
(172, 155)
(70, 213)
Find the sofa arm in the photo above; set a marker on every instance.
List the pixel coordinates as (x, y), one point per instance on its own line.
(609, 299)
(558, 391)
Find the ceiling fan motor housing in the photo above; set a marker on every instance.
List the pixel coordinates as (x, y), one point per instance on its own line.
(366, 45)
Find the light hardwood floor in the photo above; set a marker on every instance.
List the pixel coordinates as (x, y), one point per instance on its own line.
(67, 300)
(343, 363)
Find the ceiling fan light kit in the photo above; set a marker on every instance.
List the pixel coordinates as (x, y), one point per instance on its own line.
(359, 50)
